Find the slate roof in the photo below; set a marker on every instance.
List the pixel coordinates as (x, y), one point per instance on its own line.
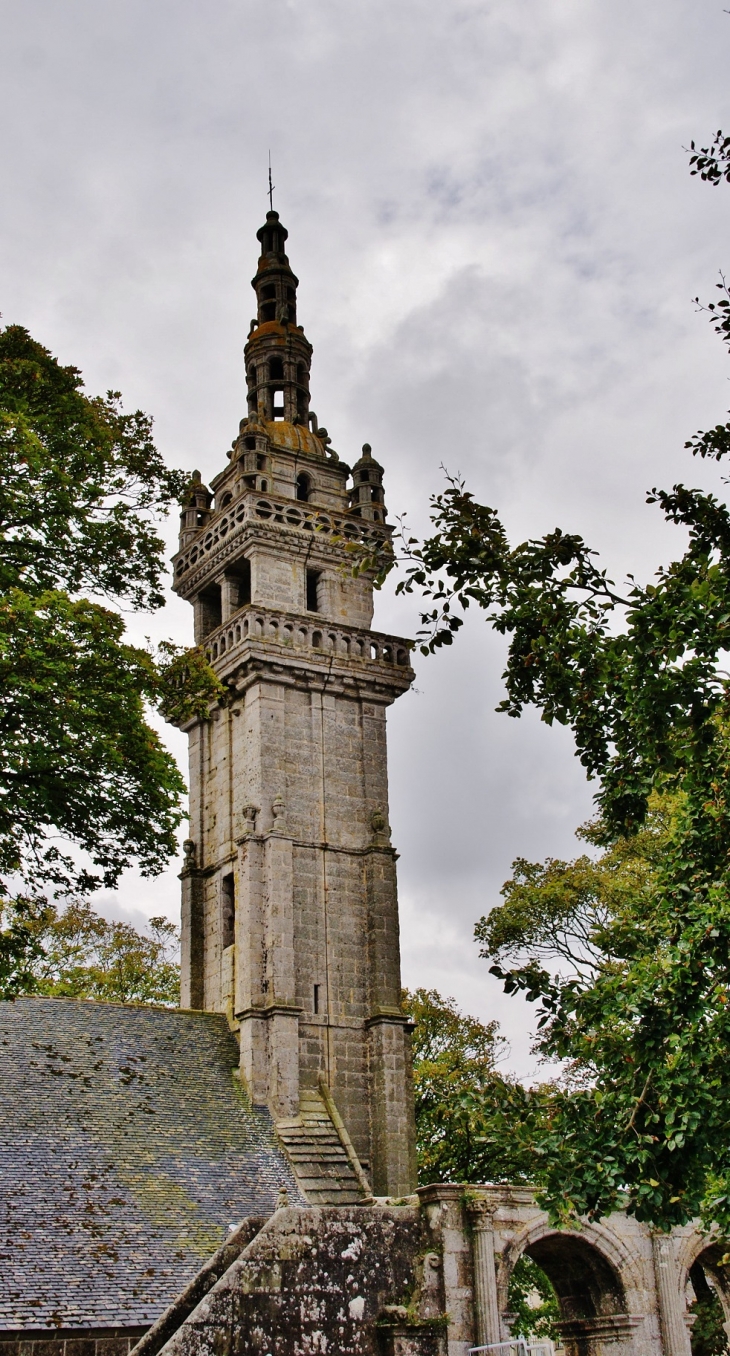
(127, 1150)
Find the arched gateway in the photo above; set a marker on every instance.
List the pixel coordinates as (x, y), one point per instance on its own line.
(622, 1288)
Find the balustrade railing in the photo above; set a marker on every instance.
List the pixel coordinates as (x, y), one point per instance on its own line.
(297, 635)
(288, 513)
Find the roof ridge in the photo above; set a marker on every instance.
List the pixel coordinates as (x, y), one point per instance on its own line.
(116, 1003)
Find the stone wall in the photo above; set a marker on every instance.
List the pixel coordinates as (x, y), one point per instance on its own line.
(74, 1342)
(345, 1281)
(430, 1277)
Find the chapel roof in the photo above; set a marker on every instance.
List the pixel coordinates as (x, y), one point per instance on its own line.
(127, 1151)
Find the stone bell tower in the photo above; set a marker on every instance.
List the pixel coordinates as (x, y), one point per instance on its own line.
(290, 912)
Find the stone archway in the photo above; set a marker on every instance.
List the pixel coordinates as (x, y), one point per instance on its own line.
(595, 1318)
(704, 1278)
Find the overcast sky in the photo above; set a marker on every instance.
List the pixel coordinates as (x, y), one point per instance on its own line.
(497, 240)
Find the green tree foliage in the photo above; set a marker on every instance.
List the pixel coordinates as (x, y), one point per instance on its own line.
(78, 757)
(186, 683)
(78, 954)
(465, 1108)
(712, 163)
(533, 1302)
(572, 916)
(639, 675)
(82, 483)
(86, 786)
(19, 944)
(465, 1116)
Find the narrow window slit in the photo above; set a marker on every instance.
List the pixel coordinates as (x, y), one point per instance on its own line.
(228, 911)
(312, 590)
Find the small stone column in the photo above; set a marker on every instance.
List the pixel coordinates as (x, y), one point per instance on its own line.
(486, 1306)
(281, 1007)
(192, 938)
(675, 1337)
(229, 587)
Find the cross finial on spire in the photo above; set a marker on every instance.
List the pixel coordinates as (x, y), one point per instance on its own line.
(271, 186)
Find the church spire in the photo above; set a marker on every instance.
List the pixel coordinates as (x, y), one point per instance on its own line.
(278, 355)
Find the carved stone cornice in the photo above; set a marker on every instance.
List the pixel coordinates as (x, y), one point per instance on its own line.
(389, 1017)
(315, 845)
(265, 1013)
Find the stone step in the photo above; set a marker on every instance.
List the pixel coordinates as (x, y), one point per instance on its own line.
(313, 1167)
(320, 1161)
(324, 1167)
(318, 1166)
(301, 1137)
(332, 1161)
(317, 1131)
(320, 1145)
(322, 1142)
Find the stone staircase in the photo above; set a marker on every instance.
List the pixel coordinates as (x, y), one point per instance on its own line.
(321, 1154)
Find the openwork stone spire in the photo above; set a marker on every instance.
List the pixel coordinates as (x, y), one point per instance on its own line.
(278, 356)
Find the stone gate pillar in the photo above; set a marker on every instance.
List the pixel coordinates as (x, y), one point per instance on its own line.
(486, 1304)
(675, 1337)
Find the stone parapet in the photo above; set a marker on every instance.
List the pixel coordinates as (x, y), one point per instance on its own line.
(298, 527)
(308, 649)
(275, 626)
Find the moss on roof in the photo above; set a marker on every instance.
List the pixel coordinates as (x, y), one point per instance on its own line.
(127, 1150)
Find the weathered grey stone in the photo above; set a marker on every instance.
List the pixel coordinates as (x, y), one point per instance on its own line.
(288, 779)
(430, 1277)
(321, 1281)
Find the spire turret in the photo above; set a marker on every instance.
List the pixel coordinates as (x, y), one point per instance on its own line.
(366, 495)
(278, 356)
(196, 511)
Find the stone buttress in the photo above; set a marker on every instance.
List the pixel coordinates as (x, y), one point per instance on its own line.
(289, 913)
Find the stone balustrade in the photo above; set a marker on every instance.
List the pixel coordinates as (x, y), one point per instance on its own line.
(288, 513)
(292, 631)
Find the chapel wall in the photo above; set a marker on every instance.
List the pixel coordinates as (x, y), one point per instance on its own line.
(75, 1342)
